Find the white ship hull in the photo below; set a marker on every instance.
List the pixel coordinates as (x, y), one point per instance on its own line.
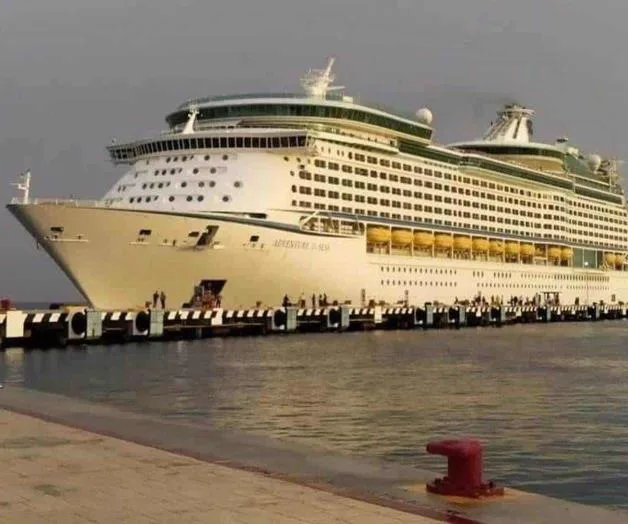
(100, 252)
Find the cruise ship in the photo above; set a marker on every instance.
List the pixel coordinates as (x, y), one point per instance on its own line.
(254, 197)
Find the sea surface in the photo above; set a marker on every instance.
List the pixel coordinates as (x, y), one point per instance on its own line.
(550, 402)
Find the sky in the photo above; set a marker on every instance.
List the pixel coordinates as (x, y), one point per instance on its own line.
(76, 73)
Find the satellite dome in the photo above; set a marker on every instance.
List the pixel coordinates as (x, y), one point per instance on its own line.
(424, 116)
(594, 162)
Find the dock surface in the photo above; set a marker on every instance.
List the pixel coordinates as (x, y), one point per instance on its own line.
(52, 473)
(67, 460)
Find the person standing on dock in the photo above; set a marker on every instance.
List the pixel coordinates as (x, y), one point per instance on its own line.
(286, 301)
(313, 300)
(162, 299)
(155, 298)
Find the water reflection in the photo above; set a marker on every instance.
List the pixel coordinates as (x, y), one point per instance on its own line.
(549, 401)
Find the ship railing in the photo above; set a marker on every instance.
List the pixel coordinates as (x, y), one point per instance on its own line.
(68, 202)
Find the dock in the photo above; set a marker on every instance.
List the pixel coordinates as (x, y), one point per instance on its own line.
(69, 460)
(78, 326)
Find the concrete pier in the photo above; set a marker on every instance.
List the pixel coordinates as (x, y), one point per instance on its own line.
(66, 460)
(59, 328)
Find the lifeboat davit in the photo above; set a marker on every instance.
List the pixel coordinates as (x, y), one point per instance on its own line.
(610, 258)
(401, 237)
(462, 243)
(512, 248)
(423, 239)
(527, 250)
(566, 253)
(553, 253)
(443, 241)
(480, 245)
(496, 247)
(378, 235)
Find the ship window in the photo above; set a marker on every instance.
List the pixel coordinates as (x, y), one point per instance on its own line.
(237, 183)
(200, 198)
(212, 170)
(171, 199)
(145, 232)
(184, 184)
(56, 229)
(211, 183)
(254, 238)
(189, 199)
(195, 170)
(226, 198)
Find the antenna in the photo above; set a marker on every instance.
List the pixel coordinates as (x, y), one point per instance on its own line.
(24, 185)
(192, 114)
(317, 82)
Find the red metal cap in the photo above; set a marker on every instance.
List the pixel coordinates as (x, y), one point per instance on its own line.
(464, 470)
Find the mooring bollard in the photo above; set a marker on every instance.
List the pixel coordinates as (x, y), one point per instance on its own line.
(464, 470)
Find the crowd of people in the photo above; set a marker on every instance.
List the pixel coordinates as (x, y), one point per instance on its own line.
(315, 301)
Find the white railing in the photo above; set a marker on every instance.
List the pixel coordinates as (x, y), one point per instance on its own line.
(69, 202)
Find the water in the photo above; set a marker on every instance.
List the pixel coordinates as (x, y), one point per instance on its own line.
(549, 402)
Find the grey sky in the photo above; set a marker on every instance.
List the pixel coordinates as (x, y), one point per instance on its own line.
(75, 73)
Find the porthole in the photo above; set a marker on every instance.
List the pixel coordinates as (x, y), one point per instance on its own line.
(175, 159)
(200, 198)
(144, 186)
(291, 173)
(184, 158)
(225, 157)
(286, 158)
(167, 159)
(226, 198)
(237, 183)
(179, 170)
(189, 199)
(152, 186)
(184, 184)
(173, 171)
(160, 185)
(212, 170)
(132, 199)
(195, 170)
(139, 199)
(206, 157)
(201, 184)
(294, 189)
(211, 183)
(164, 171)
(156, 172)
(171, 198)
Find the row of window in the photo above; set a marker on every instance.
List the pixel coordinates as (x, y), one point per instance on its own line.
(124, 153)
(188, 198)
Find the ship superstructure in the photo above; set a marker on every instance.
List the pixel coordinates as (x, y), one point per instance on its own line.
(259, 196)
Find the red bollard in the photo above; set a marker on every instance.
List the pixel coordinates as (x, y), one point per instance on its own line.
(464, 470)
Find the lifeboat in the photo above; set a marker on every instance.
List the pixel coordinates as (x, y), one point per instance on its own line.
(527, 250)
(401, 237)
(540, 251)
(443, 241)
(620, 260)
(496, 247)
(512, 248)
(610, 259)
(480, 245)
(462, 243)
(566, 253)
(423, 239)
(378, 235)
(553, 253)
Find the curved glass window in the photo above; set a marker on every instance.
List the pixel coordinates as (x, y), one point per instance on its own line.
(303, 110)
